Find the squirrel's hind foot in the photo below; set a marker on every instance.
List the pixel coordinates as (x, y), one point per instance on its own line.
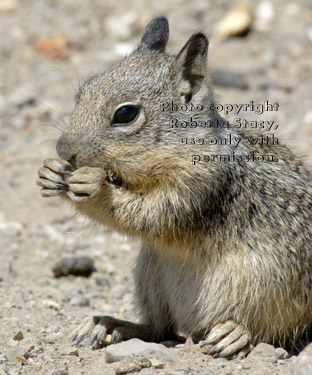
(226, 340)
(99, 327)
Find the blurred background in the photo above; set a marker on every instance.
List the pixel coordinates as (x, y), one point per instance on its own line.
(259, 50)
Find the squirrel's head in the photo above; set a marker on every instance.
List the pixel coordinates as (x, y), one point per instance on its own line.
(119, 122)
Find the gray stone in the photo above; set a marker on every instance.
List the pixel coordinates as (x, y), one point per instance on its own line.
(132, 364)
(14, 352)
(103, 282)
(4, 365)
(118, 352)
(61, 370)
(10, 228)
(3, 359)
(51, 338)
(4, 370)
(263, 352)
(79, 300)
(281, 353)
(219, 364)
(78, 266)
(302, 365)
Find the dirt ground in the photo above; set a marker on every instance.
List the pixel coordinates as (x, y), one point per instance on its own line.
(39, 76)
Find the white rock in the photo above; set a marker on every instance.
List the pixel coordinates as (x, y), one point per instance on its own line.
(236, 22)
(79, 300)
(10, 228)
(14, 352)
(309, 33)
(265, 15)
(264, 353)
(281, 353)
(302, 365)
(51, 305)
(117, 352)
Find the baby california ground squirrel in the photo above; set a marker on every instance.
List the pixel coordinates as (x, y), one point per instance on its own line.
(226, 246)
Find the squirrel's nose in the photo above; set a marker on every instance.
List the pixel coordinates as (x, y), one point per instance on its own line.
(65, 149)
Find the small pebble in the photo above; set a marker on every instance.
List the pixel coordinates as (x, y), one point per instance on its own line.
(189, 342)
(132, 364)
(79, 266)
(74, 353)
(236, 22)
(51, 338)
(79, 300)
(51, 304)
(14, 352)
(103, 281)
(156, 363)
(265, 15)
(18, 336)
(309, 33)
(10, 228)
(264, 353)
(27, 355)
(281, 353)
(3, 359)
(307, 119)
(61, 370)
(8, 6)
(22, 360)
(4, 365)
(219, 364)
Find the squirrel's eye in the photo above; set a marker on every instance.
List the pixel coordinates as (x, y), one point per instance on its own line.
(124, 115)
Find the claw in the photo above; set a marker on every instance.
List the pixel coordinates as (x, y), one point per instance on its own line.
(58, 166)
(73, 337)
(116, 337)
(235, 347)
(80, 339)
(62, 184)
(226, 339)
(219, 331)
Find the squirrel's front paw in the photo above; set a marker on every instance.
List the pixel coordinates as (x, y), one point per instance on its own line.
(227, 339)
(85, 184)
(52, 177)
(57, 176)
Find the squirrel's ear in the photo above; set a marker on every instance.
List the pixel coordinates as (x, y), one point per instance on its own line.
(191, 65)
(156, 34)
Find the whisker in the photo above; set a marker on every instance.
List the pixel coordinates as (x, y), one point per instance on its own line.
(44, 103)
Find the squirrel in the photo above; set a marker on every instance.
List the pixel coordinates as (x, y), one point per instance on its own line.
(226, 253)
